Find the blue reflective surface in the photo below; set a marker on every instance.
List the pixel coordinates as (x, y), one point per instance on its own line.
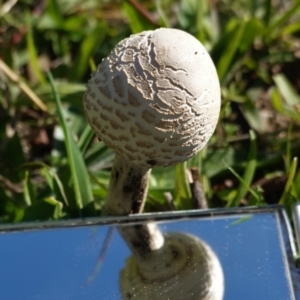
(56, 264)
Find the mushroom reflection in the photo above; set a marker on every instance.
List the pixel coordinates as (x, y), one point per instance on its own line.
(173, 266)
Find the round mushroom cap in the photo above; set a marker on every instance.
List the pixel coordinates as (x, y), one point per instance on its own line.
(155, 100)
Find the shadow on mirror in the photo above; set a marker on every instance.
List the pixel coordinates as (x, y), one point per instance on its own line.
(173, 266)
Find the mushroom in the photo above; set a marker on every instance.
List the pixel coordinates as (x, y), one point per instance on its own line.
(192, 271)
(155, 101)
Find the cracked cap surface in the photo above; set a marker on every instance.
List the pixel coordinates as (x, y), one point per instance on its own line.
(155, 99)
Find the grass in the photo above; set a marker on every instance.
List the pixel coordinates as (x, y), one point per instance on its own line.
(51, 165)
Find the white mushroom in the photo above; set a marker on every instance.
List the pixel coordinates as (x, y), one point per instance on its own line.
(155, 100)
(190, 271)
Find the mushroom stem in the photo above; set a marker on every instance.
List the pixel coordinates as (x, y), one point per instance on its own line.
(146, 243)
(127, 194)
(127, 188)
(156, 257)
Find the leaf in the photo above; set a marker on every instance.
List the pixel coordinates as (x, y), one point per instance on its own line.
(276, 100)
(58, 207)
(291, 174)
(288, 156)
(281, 19)
(53, 181)
(286, 89)
(92, 64)
(237, 39)
(241, 220)
(251, 114)
(55, 184)
(252, 30)
(85, 139)
(99, 156)
(183, 196)
(32, 51)
(267, 12)
(75, 119)
(163, 16)
(258, 199)
(296, 186)
(26, 90)
(87, 50)
(137, 22)
(191, 14)
(43, 210)
(68, 91)
(54, 10)
(228, 54)
(212, 165)
(79, 174)
(29, 194)
(162, 178)
(291, 29)
(248, 173)
(250, 190)
(290, 106)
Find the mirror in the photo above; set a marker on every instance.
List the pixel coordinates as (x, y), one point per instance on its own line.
(93, 259)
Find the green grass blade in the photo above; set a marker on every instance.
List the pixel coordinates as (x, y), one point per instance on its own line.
(183, 197)
(240, 35)
(32, 52)
(242, 181)
(284, 200)
(267, 11)
(282, 19)
(254, 6)
(85, 139)
(163, 16)
(137, 22)
(248, 173)
(201, 13)
(87, 50)
(287, 90)
(55, 184)
(241, 220)
(52, 179)
(58, 207)
(228, 53)
(48, 209)
(252, 115)
(79, 174)
(53, 10)
(92, 64)
(276, 100)
(28, 190)
(291, 29)
(288, 157)
(296, 186)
